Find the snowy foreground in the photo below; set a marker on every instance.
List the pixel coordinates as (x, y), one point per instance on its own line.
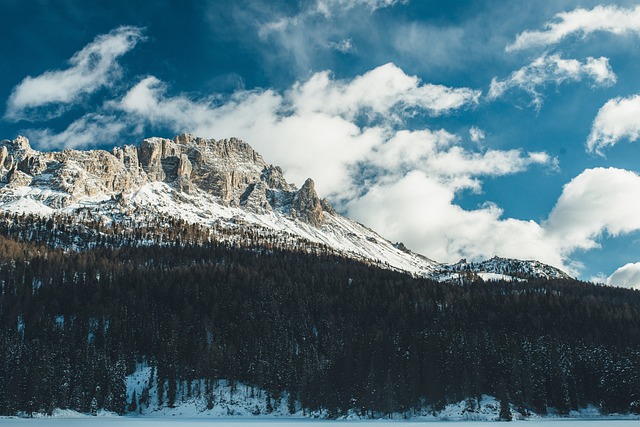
(257, 422)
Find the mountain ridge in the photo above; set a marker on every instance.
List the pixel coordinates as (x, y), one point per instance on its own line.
(224, 182)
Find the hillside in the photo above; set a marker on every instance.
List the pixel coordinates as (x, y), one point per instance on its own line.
(304, 333)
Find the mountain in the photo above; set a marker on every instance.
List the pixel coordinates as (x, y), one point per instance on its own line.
(187, 276)
(224, 185)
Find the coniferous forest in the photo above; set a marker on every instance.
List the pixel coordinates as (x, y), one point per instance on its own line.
(333, 333)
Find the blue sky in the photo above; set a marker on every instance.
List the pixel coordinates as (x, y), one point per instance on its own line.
(464, 129)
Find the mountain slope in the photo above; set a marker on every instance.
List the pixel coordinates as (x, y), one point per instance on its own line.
(223, 184)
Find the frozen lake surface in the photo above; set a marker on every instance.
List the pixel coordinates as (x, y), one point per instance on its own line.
(254, 422)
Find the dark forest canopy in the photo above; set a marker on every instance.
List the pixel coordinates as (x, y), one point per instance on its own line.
(334, 333)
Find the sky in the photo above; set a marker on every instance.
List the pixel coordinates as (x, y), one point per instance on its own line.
(463, 129)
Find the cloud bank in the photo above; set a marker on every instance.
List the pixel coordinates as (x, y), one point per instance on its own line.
(92, 68)
(321, 127)
(582, 22)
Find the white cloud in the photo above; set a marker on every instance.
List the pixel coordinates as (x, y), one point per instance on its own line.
(618, 119)
(309, 130)
(343, 46)
(331, 7)
(90, 130)
(324, 8)
(422, 213)
(91, 68)
(476, 134)
(583, 22)
(596, 202)
(419, 209)
(439, 157)
(627, 276)
(553, 69)
(322, 26)
(381, 91)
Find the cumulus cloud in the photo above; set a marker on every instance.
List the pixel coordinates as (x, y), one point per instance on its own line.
(617, 119)
(90, 130)
(598, 201)
(553, 69)
(92, 68)
(438, 155)
(381, 91)
(627, 276)
(422, 213)
(419, 208)
(310, 129)
(476, 134)
(583, 22)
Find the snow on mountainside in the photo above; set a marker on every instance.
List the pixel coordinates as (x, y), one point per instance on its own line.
(223, 183)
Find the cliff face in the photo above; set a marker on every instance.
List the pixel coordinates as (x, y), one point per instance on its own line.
(228, 169)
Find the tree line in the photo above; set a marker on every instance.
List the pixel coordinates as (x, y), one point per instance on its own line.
(332, 333)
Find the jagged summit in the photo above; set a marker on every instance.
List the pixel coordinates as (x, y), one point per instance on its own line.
(229, 170)
(222, 183)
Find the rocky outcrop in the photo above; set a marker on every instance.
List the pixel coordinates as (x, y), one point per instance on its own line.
(17, 178)
(184, 170)
(275, 178)
(228, 169)
(21, 143)
(255, 198)
(4, 154)
(150, 156)
(306, 204)
(33, 164)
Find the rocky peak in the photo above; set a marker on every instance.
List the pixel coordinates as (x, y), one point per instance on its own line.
(14, 151)
(306, 204)
(20, 143)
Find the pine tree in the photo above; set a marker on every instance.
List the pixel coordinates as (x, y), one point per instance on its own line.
(505, 411)
(133, 405)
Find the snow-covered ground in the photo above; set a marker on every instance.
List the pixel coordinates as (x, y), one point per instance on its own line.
(260, 421)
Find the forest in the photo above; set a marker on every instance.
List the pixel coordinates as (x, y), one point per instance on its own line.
(332, 333)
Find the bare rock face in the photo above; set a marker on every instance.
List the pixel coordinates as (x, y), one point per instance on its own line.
(17, 178)
(33, 164)
(150, 156)
(184, 174)
(224, 168)
(22, 143)
(306, 204)
(4, 153)
(184, 167)
(255, 198)
(275, 179)
(228, 169)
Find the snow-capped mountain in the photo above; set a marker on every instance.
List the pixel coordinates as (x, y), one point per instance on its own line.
(222, 184)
